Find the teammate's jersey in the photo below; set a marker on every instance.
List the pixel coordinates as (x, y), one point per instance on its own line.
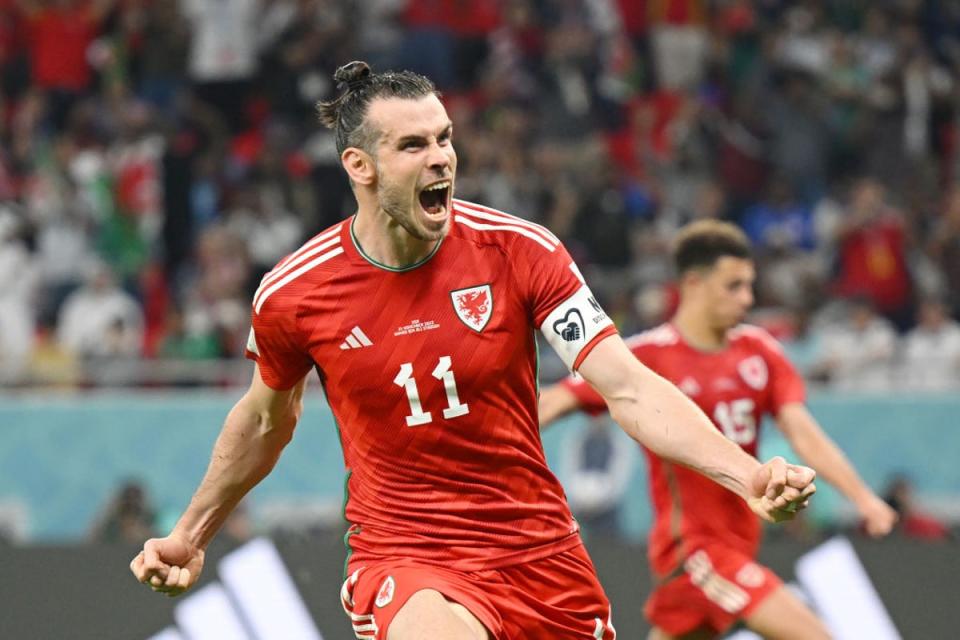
(735, 387)
(431, 374)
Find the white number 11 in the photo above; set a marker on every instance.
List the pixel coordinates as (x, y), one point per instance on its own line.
(443, 373)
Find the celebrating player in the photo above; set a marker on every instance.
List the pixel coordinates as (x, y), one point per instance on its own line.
(704, 539)
(418, 314)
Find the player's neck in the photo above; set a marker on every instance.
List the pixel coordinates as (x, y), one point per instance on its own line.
(385, 242)
(696, 331)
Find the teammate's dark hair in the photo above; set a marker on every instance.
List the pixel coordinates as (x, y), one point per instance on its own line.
(346, 114)
(700, 244)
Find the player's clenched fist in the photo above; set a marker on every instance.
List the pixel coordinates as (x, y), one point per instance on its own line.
(780, 489)
(168, 565)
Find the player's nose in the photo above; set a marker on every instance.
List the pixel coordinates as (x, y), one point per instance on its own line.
(439, 159)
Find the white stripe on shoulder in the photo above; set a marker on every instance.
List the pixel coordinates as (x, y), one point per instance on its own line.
(309, 244)
(662, 335)
(506, 227)
(495, 215)
(293, 275)
(758, 333)
(302, 257)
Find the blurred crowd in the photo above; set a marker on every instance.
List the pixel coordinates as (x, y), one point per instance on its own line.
(596, 489)
(157, 157)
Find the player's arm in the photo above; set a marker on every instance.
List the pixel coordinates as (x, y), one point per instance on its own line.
(657, 414)
(555, 402)
(255, 432)
(816, 449)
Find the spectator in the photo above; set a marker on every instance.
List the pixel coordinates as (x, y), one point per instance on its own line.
(61, 34)
(164, 42)
(780, 223)
(914, 522)
(945, 246)
(799, 145)
(856, 352)
(680, 42)
(931, 350)
(127, 518)
(223, 53)
(871, 253)
(18, 281)
(597, 470)
(270, 230)
(181, 342)
(101, 320)
(781, 229)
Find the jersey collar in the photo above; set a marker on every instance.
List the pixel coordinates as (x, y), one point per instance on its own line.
(380, 265)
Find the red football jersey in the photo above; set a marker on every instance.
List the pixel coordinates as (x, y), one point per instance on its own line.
(735, 387)
(431, 374)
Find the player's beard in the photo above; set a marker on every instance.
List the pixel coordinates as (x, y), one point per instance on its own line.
(403, 208)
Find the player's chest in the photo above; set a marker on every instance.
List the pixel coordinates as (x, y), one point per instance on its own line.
(732, 390)
(373, 326)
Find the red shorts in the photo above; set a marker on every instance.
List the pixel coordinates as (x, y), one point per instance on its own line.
(554, 597)
(717, 586)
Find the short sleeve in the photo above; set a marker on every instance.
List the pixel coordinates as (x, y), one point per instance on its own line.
(561, 303)
(588, 399)
(272, 344)
(787, 385)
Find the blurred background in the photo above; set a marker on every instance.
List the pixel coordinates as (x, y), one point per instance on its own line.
(158, 157)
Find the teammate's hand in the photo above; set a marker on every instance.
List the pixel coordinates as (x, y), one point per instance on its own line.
(778, 489)
(878, 517)
(168, 565)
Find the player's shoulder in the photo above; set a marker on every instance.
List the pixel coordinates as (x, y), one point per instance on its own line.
(664, 335)
(486, 225)
(298, 272)
(755, 337)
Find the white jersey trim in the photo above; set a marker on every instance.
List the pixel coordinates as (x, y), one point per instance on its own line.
(326, 235)
(761, 334)
(661, 336)
(495, 215)
(293, 275)
(279, 272)
(506, 227)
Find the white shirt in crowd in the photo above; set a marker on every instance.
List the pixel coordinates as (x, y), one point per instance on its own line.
(224, 38)
(101, 321)
(860, 359)
(931, 358)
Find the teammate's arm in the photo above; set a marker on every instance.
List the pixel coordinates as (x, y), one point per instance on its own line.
(256, 430)
(816, 449)
(657, 414)
(555, 402)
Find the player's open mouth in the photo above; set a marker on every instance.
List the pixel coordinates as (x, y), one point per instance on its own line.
(434, 198)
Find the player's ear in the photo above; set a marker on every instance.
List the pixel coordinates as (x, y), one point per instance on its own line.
(690, 277)
(359, 165)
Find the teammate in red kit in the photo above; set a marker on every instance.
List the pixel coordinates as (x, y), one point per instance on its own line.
(418, 313)
(704, 539)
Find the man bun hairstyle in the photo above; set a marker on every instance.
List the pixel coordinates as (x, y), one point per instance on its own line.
(346, 114)
(700, 244)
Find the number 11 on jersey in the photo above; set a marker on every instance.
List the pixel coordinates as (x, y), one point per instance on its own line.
(443, 373)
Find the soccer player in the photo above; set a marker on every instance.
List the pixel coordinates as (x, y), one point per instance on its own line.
(704, 539)
(418, 314)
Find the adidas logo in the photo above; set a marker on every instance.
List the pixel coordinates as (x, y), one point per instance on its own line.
(356, 339)
(255, 597)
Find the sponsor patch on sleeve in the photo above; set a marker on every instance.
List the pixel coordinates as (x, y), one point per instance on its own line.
(574, 324)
